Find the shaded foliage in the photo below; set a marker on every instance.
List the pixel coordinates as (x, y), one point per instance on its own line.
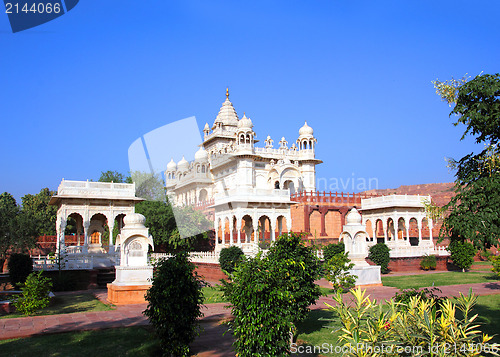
(230, 257)
(379, 254)
(174, 304)
(20, 266)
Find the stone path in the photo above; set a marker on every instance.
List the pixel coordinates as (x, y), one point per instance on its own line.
(210, 343)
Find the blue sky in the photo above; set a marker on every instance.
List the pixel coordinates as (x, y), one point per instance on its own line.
(77, 91)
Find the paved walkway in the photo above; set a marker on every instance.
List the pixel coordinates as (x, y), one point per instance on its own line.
(131, 315)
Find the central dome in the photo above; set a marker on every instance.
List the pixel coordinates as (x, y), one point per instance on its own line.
(227, 114)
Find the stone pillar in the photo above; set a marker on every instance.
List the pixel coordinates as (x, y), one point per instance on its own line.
(86, 226)
(62, 227)
(323, 225)
(384, 226)
(396, 229)
(255, 232)
(231, 240)
(111, 225)
(430, 230)
(238, 225)
(216, 233)
(419, 223)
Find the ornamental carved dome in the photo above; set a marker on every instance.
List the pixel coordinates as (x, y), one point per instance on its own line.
(183, 165)
(134, 220)
(353, 217)
(171, 166)
(306, 130)
(245, 123)
(201, 154)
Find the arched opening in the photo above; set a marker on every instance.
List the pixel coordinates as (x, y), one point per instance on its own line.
(289, 185)
(281, 226)
(402, 229)
(97, 228)
(247, 228)
(379, 231)
(391, 233)
(413, 231)
(264, 230)
(426, 234)
(333, 223)
(315, 223)
(202, 196)
(73, 233)
(219, 231)
(369, 230)
(203, 169)
(277, 185)
(226, 237)
(305, 145)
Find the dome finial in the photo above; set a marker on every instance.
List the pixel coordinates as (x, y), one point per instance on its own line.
(227, 92)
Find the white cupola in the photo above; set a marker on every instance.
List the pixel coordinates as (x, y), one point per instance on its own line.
(183, 165)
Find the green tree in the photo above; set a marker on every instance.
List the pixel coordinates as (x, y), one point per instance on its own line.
(473, 211)
(37, 208)
(17, 230)
(159, 219)
(174, 304)
(114, 176)
(149, 186)
(35, 294)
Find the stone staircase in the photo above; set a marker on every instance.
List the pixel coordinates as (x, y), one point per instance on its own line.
(105, 276)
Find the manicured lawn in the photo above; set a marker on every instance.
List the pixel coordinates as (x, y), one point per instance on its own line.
(483, 263)
(318, 329)
(213, 295)
(132, 341)
(437, 279)
(67, 304)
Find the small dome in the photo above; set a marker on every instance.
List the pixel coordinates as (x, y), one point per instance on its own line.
(353, 217)
(183, 164)
(201, 154)
(206, 128)
(245, 123)
(306, 130)
(134, 220)
(171, 166)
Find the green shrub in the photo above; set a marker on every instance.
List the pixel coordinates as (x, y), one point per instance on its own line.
(331, 249)
(379, 254)
(270, 294)
(428, 262)
(35, 294)
(174, 304)
(230, 257)
(462, 254)
(20, 266)
(303, 268)
(416, 328)
(337, 272)
(495, 260)
(429, 295)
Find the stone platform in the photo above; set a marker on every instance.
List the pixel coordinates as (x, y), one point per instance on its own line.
(127, 294)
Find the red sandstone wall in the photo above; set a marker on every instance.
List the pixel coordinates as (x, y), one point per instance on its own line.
(211, 273)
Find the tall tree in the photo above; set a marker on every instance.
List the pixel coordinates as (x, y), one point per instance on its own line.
(17, 229)
(38, 209)
(114, 176)
(474, 210)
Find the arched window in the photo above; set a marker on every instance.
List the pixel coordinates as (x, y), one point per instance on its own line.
(277, 185)
(203, 169)
(305, 145)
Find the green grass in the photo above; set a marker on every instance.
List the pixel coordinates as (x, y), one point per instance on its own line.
(319, 328)
(68, 304)
(132, 341)
(438, 279)
(488, 263)
(213, 294)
